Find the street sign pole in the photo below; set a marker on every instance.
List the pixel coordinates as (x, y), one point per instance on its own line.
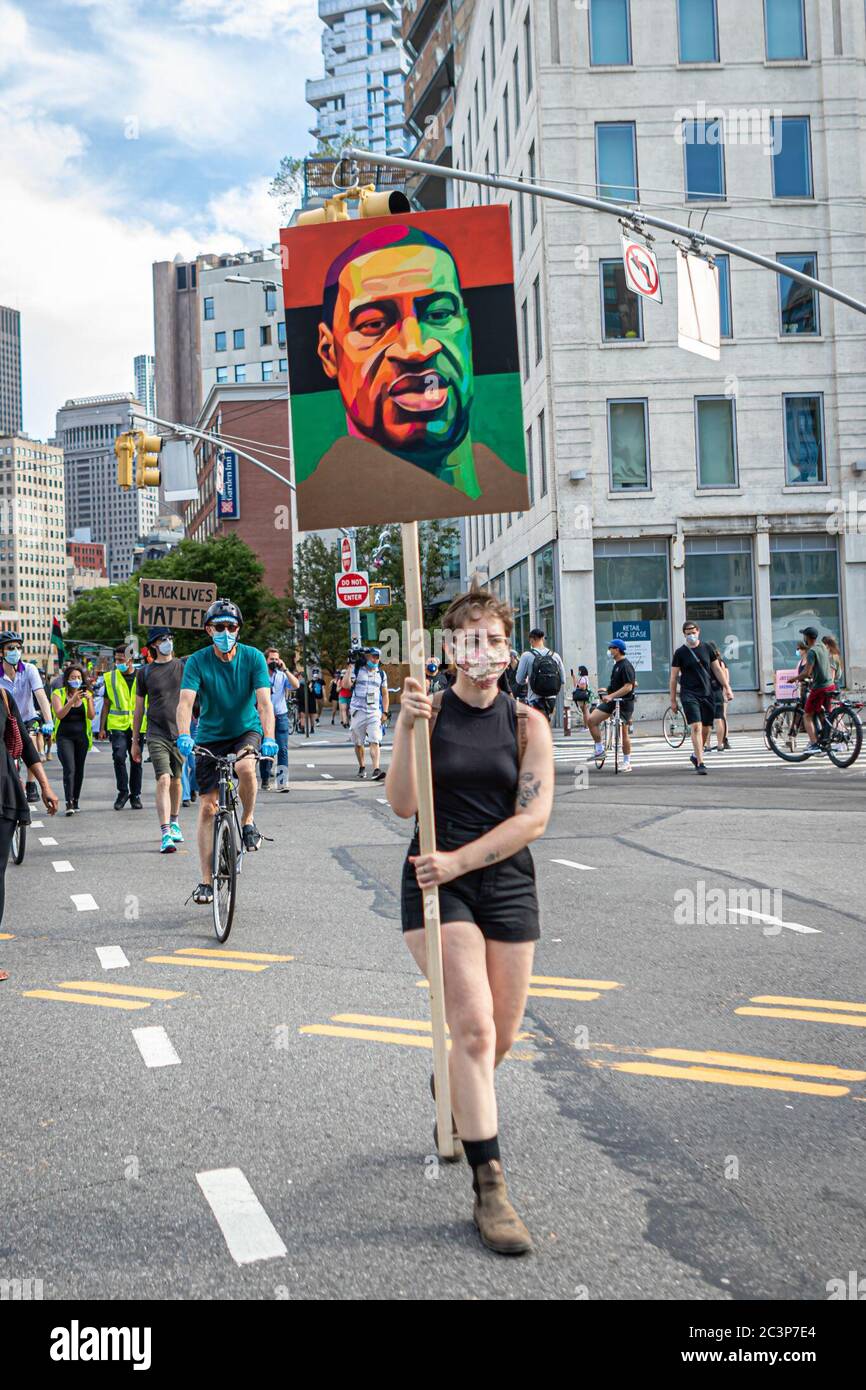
(306, 684)
(354, 615)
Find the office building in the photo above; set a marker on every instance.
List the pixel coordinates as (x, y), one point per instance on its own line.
(434, 38)
(32, 540)
(143, 369)
(10, 371)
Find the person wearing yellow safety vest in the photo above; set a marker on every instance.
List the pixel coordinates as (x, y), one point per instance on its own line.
(116, 720)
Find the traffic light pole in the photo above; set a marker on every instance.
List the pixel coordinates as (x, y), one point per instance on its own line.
(214, 439)
(630, 215)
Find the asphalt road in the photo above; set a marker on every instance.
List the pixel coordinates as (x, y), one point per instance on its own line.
(645, 1168)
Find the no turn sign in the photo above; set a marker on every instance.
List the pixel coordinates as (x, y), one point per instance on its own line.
(641, 269)
(346, 554)
(353, 589)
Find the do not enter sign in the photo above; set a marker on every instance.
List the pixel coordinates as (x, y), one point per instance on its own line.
(641, 270)
(353, 589)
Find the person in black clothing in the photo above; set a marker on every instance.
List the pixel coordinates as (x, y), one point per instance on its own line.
(14, 808)
(623, 685)
(492, 763)
(695, 664)
(73, 709)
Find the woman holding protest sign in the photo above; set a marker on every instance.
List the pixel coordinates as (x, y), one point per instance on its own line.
(492, 763)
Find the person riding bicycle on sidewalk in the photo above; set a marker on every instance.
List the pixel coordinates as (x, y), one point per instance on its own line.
(542, 671)
(24, 683)
(695, 664)
(622, 686)
(369, 702)
(822, 683)
(232, 683)
(282, 681)
(157, 689)
(116, 720)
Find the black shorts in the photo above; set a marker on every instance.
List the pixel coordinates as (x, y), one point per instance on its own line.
(718, 705)
(698, 709)
(501, 900)
(206, 771)
(626, 708)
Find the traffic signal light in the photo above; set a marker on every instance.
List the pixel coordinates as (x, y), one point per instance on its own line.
(124, 448)
(334, 210)
(373, 204)
(147, 447)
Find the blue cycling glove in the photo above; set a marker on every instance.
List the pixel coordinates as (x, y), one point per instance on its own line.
(269, 748)
(185, 743)
(47, 728)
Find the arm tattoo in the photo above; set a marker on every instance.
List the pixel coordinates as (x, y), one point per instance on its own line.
(492, 857)
(528, 789)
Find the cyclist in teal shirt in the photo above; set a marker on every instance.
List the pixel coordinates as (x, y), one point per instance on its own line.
(233, 687)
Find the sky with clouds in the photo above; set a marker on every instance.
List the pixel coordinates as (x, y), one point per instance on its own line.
(130, 132)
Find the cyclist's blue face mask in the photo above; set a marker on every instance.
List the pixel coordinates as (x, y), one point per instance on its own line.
(225, 640)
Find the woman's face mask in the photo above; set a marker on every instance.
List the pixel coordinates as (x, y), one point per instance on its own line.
(13, 655)
(481, 658)
(75, 685)
(165, 647)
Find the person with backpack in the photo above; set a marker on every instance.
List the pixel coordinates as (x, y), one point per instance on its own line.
(543, 673)
(582, 694)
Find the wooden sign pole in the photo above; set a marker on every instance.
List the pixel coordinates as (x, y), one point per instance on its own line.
(427, 840)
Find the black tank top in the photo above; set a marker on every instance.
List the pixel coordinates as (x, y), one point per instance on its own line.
(475, 766)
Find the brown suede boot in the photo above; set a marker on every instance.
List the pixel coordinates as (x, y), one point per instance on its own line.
(498, 1224)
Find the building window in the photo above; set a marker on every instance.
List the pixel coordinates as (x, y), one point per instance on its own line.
(529, 467)
(616, 161)
(804, 439)
(515, 68)
(628, 444)
(699, 31)
(631, 587)
(267, 371)
(609, 36)
(219, 342)
(804, 592)
(506, 128)
(705, 163)
(208, 307)
(477, 118)
(180, 276)
(284, 364)
(524, 324)
(281, 333)
(785, 26)
(222, 374)
(726, 329)
(241, 372)
(720, 598)
(518, 583)
(716, 433)
(265, 335)
(792, 157)
(798, 305)
(484, 82)
(536, 307)
(622, 312)
(527, 48)
(521, 217)
(492, 34)
(239, 338)
(545, 593)
(542, 454)
(270, 301)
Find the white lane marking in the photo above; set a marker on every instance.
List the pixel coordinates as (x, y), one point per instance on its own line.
(246, 1226)
(775, 921)
(61, 866)
(311, 764)
(37, 825)
(328, 776)
(155, 1046)
(573, 864)
(85, 902)
(47, 840)
(111, 957)
(382, 800)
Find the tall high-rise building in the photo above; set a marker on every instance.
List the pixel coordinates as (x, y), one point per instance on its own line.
(434, 37)
(10, 371)
(143, 367)
(32, 540)
(666, 485)
(87, 428)
(361, 93)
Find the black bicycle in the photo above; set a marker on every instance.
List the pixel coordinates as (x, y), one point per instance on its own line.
(228, 850)
(19, 834)
(838, 732)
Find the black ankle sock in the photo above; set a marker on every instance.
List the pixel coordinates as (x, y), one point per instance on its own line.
(480, 1151)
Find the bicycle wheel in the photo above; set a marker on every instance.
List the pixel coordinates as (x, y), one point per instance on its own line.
(616, 737)
(224, 875)
(785, 735)
(293, 720)
(19, 843)
(845, 738)
(674, 728)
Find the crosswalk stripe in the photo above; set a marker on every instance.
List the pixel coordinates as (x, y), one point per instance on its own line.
(806, 1016)
(62, 866)
(136, 991)
(210, 964)
(232, 955)
(247, 1229)
(808, 1003)
(727, 1078)
(573, 864)
(112, 957)
(47, 840)
(156, 1047)
(84, 902)
(69, 998)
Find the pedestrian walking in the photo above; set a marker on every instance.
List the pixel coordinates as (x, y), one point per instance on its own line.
(73, 732)
(345, 683)
(368, 705)
(542, 672)
(582, 694)
(157, 691)
(282, 681)
(694, 665)
(116, 721)
(492, 763)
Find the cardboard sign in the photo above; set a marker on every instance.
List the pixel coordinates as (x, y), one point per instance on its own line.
(787, 685)
(404, 371)
(174, 602)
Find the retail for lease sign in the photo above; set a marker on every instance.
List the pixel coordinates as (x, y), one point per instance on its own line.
(638, 643)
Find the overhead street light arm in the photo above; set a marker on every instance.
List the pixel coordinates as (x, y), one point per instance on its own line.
(213, 439)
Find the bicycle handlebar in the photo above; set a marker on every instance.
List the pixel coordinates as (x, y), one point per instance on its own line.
(229, 758)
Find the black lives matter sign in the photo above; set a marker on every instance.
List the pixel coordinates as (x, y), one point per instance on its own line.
(174, 602)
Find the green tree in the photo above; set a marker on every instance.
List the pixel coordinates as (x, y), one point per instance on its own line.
(287, 186)
(102, 615)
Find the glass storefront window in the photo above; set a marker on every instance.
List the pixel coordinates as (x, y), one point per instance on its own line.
(518, 584)
(631, 586)
(545, 594)
(720, 598)
(804, 592)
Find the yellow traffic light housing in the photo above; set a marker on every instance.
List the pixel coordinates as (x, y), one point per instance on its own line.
(372, 204)
(124, 448)
(147, 447)
(334, 210)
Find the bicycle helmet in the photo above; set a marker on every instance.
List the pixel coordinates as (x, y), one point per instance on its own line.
(223, 608)
(6, 637)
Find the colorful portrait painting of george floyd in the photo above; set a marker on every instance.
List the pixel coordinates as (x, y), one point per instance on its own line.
(404, 374)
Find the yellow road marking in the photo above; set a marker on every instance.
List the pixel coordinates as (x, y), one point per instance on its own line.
(229, 955)
(370, 1034)
(806, 1016)
(411, 1024)
(573, 984)
(213, 964)
(774, 1064)
(99, 988)
(84, 999)
(809, 1003)
(540, 993)
(7, 936)
(728, 1078)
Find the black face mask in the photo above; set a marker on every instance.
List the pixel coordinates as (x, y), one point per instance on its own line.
(272, 666)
